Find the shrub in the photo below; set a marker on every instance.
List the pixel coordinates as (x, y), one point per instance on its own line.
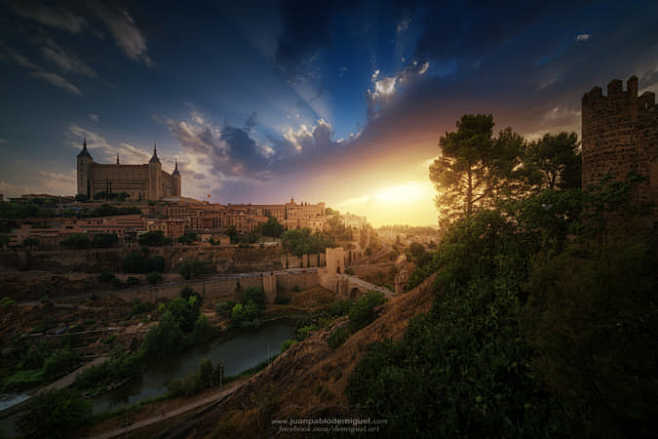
(55, 414)
(286, 344)
(139, 262)
(76, 240)
(154, 238)
(192, 268)
(104, 240)
(224, 308)
(338, 337)
(60, 363)
(7, 302)
(255, 295)
(164, 339)
(119, 367)
(106, 277)
(153, 277)
(362, 311)
(305, 331)
(339, 308)
(132, 281)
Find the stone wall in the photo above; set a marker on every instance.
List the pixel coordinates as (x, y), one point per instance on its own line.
(620, 135)
(225, 259)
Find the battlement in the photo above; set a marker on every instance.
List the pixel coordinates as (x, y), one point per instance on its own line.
(620, 135)
(617, 95)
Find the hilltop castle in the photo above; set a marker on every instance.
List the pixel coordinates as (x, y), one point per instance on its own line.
(620, 135)
(140, 182)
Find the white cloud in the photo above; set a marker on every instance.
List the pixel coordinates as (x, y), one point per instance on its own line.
(94, 117)
(128, 154)
(583, 37)
(123, 28)
(12, 55)
(50, 16)
(57, 81)
(66, 61)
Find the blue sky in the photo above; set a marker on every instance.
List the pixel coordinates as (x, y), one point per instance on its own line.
(342, 102)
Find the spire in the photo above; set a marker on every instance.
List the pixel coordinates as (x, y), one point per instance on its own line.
(176, 169)
(117, 158)
(84, 152)
(155, 158)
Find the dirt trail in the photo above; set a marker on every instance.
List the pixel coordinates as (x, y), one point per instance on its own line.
(209, 400)
(70, 378)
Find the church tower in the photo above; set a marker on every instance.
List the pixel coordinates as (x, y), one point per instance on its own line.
(155, 169)
(177, 181)
(83, 168)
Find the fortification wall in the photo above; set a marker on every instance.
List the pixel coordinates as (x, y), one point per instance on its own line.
(225, 259)
(620, 135)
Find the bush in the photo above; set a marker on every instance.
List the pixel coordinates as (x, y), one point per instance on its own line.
(339, 308)
(77, 241)
(154, 277)
(224, 308)
(120, 367)
(104, 240)
(132, 281)
(106, 277)
(153, 239)
(305, 331)
(55, 414)
(139, 262)
(23, 379)
(164, 339)
(362, 311)
(255, 295)
(60, 363)
(192, 268)
(6, 302)
(338, 337)
(286, 344)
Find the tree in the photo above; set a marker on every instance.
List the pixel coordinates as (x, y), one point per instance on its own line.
(554, 161)
(55, 414)
(104, 240)
(232, 233)
(154, 238)
(272, 228)
(76, 240)
(188, 238)
(30, 242)
(474, 166)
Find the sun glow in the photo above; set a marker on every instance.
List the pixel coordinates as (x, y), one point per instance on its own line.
(405, 193)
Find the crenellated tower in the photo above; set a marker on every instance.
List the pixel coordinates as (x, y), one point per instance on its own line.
(620, 135)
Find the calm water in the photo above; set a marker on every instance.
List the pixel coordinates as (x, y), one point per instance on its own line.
(245, 350)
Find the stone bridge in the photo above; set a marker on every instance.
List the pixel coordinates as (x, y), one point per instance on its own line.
(333, 277)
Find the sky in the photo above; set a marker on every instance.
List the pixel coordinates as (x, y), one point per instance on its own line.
(335, 101)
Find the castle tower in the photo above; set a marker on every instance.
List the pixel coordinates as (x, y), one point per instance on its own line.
(177, 180)
(620, 135)
(155, 168)
(83, 165)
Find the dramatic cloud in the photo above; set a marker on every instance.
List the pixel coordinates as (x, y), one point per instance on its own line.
(52, 16)
(94, 117)
(105, 152)
(385, 87)
(57, 81)
(583, 37)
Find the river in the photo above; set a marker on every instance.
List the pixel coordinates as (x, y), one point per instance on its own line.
(246, 349)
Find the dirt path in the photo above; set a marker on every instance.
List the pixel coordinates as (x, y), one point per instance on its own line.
(70, 378)
(214, 398)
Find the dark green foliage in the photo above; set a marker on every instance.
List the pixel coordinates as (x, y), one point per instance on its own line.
(132, 281)
(59, 363)
(554, 161)
(544, 325)
(154, 277)
(106, 277)
(6, 302)
(338, 308)
(362, 311)
(155, 238)
(120, 367)
(305, 331)
(188, 238)
(338, 337)
(55, 414)
(141, 262)
(256, 295)
(302, 241)
(271, 228)
(104, 240)
(205, 377)
(224, 308)
(191, 268)
(164, 339)
(286, 344)
(139, 307)
(76, 241)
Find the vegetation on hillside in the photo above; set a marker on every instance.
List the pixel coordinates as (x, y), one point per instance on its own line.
(545, 317)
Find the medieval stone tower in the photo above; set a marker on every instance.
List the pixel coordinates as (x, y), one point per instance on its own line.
(620, 135)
